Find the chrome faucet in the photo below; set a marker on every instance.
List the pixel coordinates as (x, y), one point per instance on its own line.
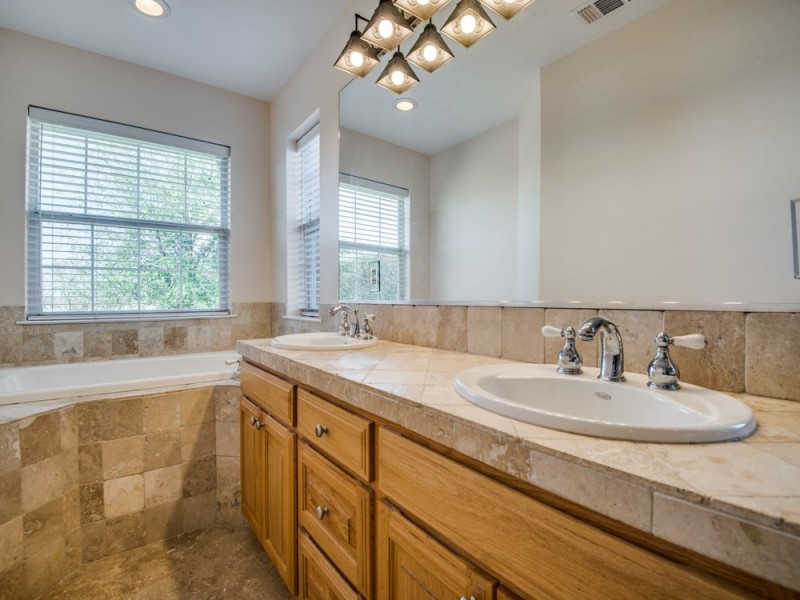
(611, 361)
(347, 328)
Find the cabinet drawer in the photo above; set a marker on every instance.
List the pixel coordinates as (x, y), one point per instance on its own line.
(530, 545)
(319, 579)
(336, 510)
(345, 437)
(271, 393)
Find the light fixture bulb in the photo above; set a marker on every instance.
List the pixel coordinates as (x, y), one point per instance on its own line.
(356, 59)
(430, 53)
(422, 2)
(468, 24)
(398, 78)
(385, 29)
(151, 8)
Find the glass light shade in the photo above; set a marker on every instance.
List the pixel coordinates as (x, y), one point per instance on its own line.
(358, 57)
(429, 51)
(422, 9)
(507, 8)
(397, 76)
(151, 8)
(387, 27)
(468, 23)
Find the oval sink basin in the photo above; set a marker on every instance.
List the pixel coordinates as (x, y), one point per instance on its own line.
(321, 340)
(583, 404)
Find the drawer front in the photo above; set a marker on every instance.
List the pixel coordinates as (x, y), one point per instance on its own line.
(336, 510)
(345, 437)
(319, 579)
(531, 546)
(271, 393)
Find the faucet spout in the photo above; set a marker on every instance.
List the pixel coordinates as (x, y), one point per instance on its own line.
(350, 329)
(611, 360)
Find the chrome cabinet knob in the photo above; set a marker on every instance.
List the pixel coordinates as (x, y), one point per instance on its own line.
(252, 420)
(321, 512)
(465, 598)
(320, 430)
(259, 424)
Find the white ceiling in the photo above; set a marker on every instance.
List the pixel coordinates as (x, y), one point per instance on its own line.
(251, 47)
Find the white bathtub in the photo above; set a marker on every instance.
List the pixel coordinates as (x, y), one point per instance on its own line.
(30, 384)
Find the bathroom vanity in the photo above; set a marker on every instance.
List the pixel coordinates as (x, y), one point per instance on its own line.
(365, 476)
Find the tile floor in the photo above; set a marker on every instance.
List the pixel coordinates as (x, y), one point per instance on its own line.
(217, 563)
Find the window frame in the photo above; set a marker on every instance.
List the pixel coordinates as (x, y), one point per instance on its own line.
(36, 218)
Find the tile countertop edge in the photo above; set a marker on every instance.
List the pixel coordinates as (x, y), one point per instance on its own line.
(634, 483)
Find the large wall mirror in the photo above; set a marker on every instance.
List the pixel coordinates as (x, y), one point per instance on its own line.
(645, 159)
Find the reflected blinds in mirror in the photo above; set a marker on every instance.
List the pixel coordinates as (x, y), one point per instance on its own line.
(373, 240)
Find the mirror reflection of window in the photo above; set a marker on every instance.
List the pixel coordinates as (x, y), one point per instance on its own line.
(373, 228)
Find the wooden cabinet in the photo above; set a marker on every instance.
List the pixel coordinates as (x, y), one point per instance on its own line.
(412, 565)
(318, 579)
(268, 471)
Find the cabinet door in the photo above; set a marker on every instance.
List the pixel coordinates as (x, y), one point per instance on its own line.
(279, 532)
(318, 579)
(252, 465)
(414, 566)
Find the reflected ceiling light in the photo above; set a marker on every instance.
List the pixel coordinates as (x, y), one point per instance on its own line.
(405, 104)
(387, 27)
(151, 8)
(358, 57)
(507, 8)
(468, 23)
(398, 76)
(422, 9)
(430, 51)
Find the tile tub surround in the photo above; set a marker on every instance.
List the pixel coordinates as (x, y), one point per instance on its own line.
(84, 479)
(37, 344)
(757, 353)
(738, 503)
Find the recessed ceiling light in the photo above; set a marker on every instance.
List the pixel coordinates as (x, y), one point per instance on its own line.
(151, 8)
(405, 104)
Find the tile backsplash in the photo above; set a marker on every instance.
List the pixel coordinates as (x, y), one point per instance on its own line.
(37, 344)
(757, 353)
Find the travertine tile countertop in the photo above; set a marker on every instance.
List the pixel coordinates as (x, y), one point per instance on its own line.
(737, 502)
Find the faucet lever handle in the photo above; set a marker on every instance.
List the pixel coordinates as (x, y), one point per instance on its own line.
(550, 331)
(569, 360)
(695, 341)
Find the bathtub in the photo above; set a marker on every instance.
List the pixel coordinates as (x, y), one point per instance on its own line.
(31, 384)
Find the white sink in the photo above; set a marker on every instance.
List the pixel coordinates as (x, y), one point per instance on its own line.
(322, 340)
(584, 404)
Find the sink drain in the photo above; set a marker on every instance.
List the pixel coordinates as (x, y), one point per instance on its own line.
(603, 395)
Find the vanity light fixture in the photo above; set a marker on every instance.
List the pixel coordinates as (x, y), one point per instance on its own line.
(468, 23)
(405, 104)
(430, 51)
(358, 57)
(151, 8)
(388, 27)
(422, 9)
(507, 8)
(398, 76)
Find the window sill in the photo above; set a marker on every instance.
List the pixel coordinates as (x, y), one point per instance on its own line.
(302, 319)
(142, 319)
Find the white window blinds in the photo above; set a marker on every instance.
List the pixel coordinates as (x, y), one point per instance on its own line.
(123, 221)
(307, 186)
(373, 240)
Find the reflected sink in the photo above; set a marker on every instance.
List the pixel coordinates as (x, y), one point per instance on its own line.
(321, 340)
(625, 411)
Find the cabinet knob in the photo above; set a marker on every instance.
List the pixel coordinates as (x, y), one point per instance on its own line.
(320, 430)
(253, 420)
(321, 512)
(465, 598)
(259, 424)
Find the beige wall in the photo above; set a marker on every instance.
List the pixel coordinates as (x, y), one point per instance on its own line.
(42, 73)
(670, 154)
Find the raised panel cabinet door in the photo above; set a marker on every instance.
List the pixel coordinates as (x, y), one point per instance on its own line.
(414, 566)
(336, 510)
(317, 577)
(279, 533)
(252, 465)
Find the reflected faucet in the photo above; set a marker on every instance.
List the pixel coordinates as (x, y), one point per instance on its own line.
(611, 361)
(347, 328)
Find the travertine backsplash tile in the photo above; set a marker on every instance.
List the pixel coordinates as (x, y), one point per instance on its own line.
(720, 366)
(522, 334)
(426, 325)
(403, 324)
(485, 330)
(773, 355)
(452, 328)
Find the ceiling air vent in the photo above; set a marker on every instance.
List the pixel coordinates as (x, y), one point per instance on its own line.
(591, 13)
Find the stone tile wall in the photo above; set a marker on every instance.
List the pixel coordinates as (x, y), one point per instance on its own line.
(95, 479)
(758, 353)
(46, 344)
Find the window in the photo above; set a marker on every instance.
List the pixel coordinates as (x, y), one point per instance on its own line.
(123, 221)
(373, 240)
(304, 237)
